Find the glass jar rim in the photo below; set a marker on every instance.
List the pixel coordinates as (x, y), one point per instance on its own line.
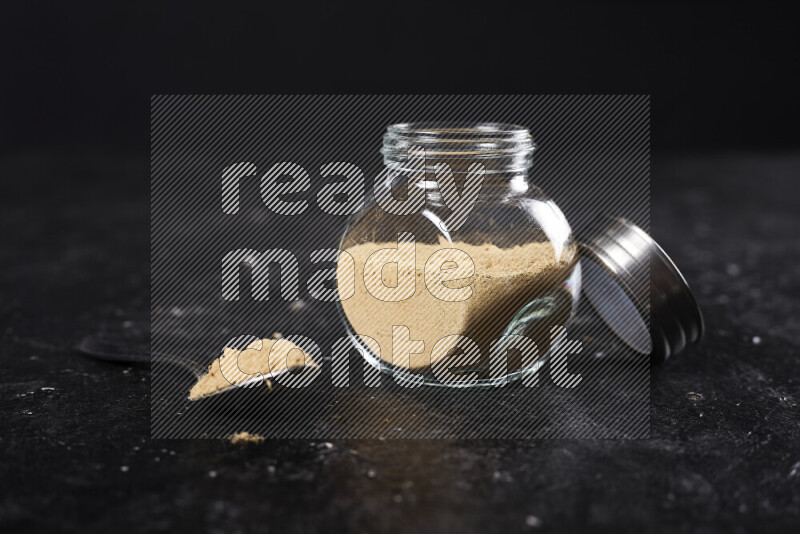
(443, 131)
(502, 146)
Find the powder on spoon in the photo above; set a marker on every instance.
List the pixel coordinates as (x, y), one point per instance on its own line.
(237, 366)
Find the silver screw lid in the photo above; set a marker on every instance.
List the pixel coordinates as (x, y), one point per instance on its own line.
(638, 291)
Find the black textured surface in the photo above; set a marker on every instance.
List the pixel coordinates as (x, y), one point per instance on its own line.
(723, 454)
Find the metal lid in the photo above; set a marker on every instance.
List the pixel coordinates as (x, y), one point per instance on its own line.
(638, 291)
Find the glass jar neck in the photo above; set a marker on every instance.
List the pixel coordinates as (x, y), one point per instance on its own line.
(504, 150)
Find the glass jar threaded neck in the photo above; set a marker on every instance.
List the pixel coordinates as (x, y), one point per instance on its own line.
(500, 148)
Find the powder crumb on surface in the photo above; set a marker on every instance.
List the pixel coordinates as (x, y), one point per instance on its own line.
(533, 521)
(257, 360)
(245, 438)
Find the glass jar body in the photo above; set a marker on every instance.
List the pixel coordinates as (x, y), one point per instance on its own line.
(458, 297)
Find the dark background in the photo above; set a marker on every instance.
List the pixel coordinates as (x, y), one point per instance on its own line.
(74, 134)
(721, 75)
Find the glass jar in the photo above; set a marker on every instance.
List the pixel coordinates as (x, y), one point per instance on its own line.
(457, 243)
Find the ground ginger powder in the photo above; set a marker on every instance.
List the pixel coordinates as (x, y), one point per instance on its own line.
(237, 366)
(504, 281)
(245, 438)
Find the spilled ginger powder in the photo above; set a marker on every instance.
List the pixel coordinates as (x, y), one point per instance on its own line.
(245, 438)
